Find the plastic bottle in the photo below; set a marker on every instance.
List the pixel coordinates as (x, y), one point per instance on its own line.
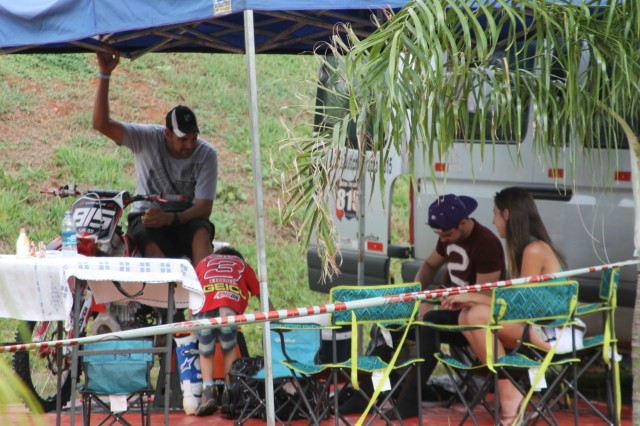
(22, 245)
(69, 237)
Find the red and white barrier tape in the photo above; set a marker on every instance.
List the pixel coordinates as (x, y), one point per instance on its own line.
(259, 317)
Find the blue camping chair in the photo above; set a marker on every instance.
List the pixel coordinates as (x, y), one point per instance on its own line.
(118, 367)
(295, 393)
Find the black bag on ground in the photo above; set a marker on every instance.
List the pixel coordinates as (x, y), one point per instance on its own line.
(241, 400)
(239, 395)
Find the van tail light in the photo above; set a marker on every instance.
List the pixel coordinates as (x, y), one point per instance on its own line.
(374, 246)
(440, 167)
(623, 176)
(556, 173)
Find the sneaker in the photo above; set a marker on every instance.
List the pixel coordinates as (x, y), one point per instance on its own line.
(209, 403)
(225, 406)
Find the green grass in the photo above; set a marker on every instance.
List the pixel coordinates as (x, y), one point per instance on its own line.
(10, 97)
(214, 85)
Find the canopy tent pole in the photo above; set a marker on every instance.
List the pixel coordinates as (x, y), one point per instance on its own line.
(362, 200)
(254, 129)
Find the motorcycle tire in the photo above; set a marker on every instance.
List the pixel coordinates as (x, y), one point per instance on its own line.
(38, 369)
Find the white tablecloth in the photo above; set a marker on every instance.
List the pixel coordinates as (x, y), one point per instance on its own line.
(37, 289)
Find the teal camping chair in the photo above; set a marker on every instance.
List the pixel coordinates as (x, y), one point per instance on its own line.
(392, 316)
(118, 370)
(532, 304)
(600, 349)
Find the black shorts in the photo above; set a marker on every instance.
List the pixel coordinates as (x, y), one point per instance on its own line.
(174, 241)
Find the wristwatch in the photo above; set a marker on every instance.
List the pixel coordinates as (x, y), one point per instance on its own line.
(176, 220)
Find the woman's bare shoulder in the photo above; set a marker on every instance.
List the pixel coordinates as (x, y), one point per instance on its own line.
(537, 248)
(540, 255)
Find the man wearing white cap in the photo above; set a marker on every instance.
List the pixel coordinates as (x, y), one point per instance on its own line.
(170, 160)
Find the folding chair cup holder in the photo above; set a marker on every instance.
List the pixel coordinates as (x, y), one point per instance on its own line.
(119, 368)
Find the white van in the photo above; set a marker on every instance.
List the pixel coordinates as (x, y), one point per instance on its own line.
(591, 221)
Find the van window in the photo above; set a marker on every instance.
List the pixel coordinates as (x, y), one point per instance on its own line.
(603, 131)
(611, 132)
(522, 57)
(331, 97)
(332, 103)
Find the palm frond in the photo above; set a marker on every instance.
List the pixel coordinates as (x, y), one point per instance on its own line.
(449, 70)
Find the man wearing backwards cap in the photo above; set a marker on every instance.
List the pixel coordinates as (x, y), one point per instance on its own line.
(170, 160)
(473, 254)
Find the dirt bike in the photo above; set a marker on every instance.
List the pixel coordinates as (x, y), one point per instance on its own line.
(97, 214)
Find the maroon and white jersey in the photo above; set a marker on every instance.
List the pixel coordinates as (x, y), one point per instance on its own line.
(480, 253)
(226, 281)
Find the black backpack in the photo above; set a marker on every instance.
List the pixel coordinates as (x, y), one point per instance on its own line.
(242, 369)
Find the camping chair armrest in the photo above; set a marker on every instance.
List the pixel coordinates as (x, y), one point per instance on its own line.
(455, 328)
(394, 326)
(289, 326)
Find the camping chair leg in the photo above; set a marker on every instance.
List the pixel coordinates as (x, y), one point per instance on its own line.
(334, 358)
(117, 417)
(613, 379)
(291, 406)
(111, 417)
(582, 397)
(247, 412)
(323, 405)
(376, 407)
(569, 385)
(416, 332)
(468, 407)
(379, 405)
(86, 410)
(612, 393)
(479, 393)
(321, 402)
(336, 395)
(144, 407)
(541, 409)
(302, 390)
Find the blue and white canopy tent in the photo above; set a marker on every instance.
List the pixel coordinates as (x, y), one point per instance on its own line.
(136, 27)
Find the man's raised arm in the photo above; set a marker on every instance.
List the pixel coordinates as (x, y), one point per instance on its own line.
(102, 122)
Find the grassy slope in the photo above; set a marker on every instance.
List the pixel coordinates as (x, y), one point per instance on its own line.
(46, 140)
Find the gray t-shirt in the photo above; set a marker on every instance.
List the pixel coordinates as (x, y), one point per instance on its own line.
(157, 172)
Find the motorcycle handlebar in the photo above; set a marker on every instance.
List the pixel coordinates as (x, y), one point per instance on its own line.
(169, 197)
(72, 190)
(63, 191)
